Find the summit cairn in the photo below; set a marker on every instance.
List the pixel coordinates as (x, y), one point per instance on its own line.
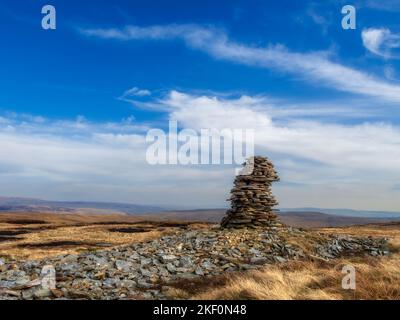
(251, 197)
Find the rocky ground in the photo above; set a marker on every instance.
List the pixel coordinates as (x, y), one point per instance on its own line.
(146, 270)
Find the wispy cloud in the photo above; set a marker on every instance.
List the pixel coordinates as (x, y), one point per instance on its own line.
(322, 20)
(389, 5)
(390, 73)
(382, 42)
(135, 91)
(315, 67)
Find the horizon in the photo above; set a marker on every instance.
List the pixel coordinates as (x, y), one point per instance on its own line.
(77, 102)
(167, 208)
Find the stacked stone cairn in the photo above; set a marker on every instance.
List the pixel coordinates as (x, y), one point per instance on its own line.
(251, 197)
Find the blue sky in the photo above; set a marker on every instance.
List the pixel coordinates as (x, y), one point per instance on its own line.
(323, 100)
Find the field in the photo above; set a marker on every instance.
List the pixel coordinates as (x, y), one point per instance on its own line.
(36, 236)
(39, 235)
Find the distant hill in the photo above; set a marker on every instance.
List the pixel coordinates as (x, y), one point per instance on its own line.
(33, 205)
(203, 215)
(348, 212)
(319, 220)
(295, 219)
(299, 217)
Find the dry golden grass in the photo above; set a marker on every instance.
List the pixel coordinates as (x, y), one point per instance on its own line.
(309, 281)
(86, 238)
(376, 278)
(55, 234)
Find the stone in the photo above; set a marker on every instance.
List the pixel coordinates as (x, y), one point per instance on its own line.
(13, 293)
(188, 276)
(71, 258)
(127, 284)
(163, 272)
(42, 293)
(280, 259)
(7, 284)
(57, 293)
(251, 197)
(185, 262)
(101, 275)
(134, 256)
(110, 283)
(27, 294)
(48, 277)
(123, 265)
(145, 261)
(207, 265)
(171, 268)
(77, 294)
(69, 267)
(254, 251)
(226, 266)
(199, 271)
(144, 284)
(146, 272)
(102, 262)
(191, 234)
(258, 260)
(22, 281)
(168, 258)
(248, 267)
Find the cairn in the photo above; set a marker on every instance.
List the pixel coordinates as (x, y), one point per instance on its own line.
(251, 197)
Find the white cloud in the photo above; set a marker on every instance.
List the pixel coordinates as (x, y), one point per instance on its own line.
(321, 163)
(382, 42)
(313, 66)
(99, 161)
(211, 112)
(360, 146)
